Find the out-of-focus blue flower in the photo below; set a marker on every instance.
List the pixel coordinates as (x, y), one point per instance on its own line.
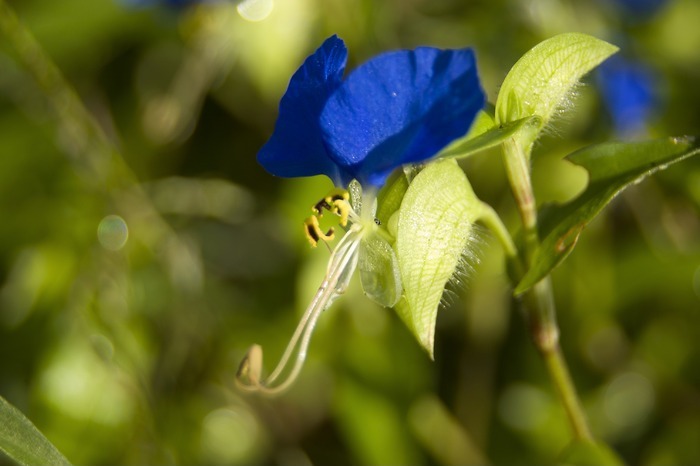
(400, 107)
(639, 9)
(629, 90)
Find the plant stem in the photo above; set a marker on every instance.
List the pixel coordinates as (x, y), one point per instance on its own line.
(567, 392)
(490, 218)
(518, 170)
(539, 300)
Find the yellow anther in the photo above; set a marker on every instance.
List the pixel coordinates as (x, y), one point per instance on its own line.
(335, 202)
(317, 209)
(342, 208)
(336, 194)
(314, 233)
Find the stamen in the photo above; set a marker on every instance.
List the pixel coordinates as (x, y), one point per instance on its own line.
(317, 209)
(314, 233)
(335, 202)
(337, 194)
(342, 208)
(251, 366)
(340, 269)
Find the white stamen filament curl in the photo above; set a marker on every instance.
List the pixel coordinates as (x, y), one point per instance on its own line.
(341, 266)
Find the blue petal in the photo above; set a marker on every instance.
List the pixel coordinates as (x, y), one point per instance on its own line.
(400, 107)
(639, 10)
(296, 147)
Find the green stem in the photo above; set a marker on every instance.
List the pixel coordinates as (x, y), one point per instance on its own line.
(539, 300)
(518, 170)
(567, 393)
(490, 218)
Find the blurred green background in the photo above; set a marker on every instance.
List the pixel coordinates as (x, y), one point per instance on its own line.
(122, 348)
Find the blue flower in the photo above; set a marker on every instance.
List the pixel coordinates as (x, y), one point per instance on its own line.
(629, 92)
(400, 107)
(639, 10)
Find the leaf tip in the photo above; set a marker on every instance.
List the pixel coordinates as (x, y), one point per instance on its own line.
(428, 343)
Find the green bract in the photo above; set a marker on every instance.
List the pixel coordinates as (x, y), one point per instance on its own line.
(379, 270)
(539, 83)
(435, 223)
(389, 199)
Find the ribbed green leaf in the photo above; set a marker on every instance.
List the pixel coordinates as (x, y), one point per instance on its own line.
(540, 82)
(435, 222)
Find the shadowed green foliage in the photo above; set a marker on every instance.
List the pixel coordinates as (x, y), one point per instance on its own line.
(126, 352)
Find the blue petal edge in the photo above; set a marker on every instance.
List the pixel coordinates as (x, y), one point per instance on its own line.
(296, 147)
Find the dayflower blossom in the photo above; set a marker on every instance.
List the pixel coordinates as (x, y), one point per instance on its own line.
(398, 108)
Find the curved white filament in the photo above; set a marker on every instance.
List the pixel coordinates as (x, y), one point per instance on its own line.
(340, 270)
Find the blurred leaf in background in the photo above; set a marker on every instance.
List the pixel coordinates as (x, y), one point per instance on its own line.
(120, 336)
